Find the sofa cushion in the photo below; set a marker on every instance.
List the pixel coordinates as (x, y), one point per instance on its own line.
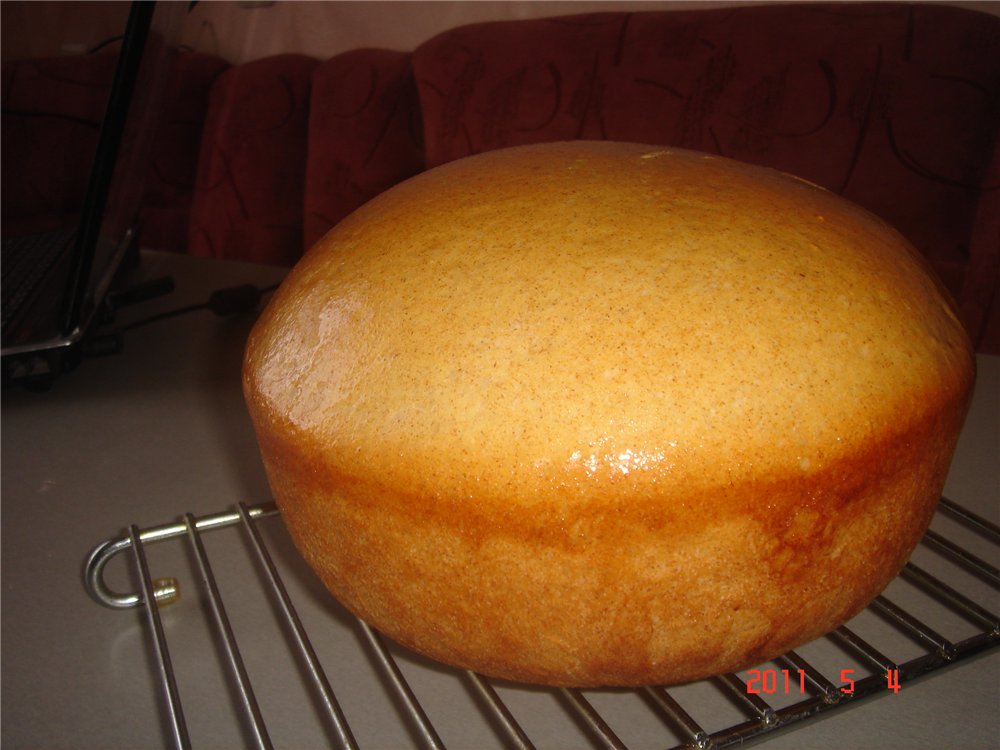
(364, 134)
(248, 199)
(980, 296)
(170, 180)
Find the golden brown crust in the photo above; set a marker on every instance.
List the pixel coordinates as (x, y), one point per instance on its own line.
(600, 413)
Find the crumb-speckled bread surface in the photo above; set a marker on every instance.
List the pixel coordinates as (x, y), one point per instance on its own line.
(607, 414)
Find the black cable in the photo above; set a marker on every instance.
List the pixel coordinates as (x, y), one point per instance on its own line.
(223, 302)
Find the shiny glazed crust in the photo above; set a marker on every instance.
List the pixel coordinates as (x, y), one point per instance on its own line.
(607, 414)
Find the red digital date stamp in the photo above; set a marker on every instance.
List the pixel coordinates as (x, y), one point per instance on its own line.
(771, 681)
(787, 681)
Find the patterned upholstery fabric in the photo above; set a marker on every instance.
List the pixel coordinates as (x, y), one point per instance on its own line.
(248, 201)
(170, 184)
(364, 134)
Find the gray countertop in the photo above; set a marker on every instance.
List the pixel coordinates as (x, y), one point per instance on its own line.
(159, 430)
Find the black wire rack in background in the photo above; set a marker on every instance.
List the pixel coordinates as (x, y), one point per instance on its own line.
(950, 593)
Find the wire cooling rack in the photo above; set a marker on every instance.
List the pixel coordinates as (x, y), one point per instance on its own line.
(939, 611)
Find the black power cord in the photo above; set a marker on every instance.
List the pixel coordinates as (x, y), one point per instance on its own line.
(223, 302)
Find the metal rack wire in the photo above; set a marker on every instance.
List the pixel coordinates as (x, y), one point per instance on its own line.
(784, 693)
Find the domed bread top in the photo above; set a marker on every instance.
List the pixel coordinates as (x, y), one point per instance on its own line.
(547, 322)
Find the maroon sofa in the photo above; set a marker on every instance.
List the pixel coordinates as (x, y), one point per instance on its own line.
(894, 106)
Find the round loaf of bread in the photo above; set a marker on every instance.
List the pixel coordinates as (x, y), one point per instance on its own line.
(596, 413)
